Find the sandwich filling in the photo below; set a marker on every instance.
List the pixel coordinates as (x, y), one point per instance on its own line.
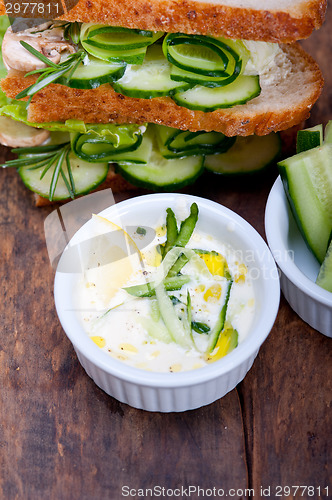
(198, 72)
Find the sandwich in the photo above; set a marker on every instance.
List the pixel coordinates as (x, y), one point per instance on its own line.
(157, 92)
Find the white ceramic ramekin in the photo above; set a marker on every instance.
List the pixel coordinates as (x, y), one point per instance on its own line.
(180, 391)
(299, 268)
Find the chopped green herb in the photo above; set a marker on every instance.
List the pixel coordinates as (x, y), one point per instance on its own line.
(175, 300)
(200, 327)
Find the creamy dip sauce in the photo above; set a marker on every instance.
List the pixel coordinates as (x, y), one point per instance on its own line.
(130, 329)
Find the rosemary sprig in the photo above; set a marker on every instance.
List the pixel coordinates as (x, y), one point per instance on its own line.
(52, 72)
(71, 177)
(49, 163)
(56, 172)
(46, 157)
(36, 150)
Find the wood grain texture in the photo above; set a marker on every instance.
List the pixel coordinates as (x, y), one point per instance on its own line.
(62, 438)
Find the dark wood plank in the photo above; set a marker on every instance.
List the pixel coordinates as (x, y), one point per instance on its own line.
(286, 405)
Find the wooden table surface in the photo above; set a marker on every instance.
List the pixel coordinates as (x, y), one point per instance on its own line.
(62, 438)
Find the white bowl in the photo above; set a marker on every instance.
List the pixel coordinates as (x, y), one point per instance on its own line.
(299, 268)
(185, 390)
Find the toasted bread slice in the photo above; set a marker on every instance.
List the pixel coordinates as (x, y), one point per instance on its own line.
(269, 21)
(289, 89)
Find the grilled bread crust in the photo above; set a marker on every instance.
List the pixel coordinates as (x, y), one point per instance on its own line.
(283, 22)
(289, 90)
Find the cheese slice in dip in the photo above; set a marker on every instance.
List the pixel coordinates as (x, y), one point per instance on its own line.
(165, 311)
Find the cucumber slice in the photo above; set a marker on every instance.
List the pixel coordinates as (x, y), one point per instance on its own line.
(86, 177)
(247, 155)
(177, 329)
(203, 60)
(181, 75)
(309, 138)
(134, 56)
(95, 72)
(205, 99)
(156, 329)
(151, 79)
(174, 143)
(324, 278)
(307, 179)
(328, 132)
(160, 174)
(111, 38)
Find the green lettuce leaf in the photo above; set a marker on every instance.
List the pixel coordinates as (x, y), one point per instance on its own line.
(4, 23)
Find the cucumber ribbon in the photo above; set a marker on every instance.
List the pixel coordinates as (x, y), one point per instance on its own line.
(95, 148)
(202, 58)
(117, 44)
(176, 143)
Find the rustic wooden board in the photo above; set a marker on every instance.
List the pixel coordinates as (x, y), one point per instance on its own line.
(63, 438)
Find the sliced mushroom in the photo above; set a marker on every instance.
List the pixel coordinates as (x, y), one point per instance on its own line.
(48, 39)
(18, 135)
